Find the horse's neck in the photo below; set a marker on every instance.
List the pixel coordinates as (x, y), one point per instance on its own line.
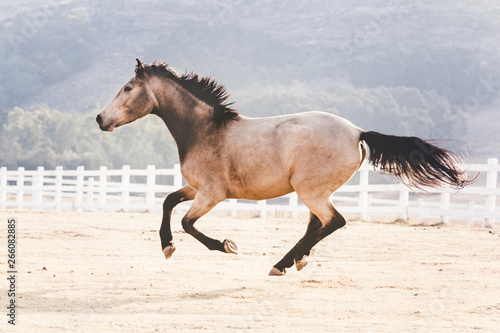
(187, 118)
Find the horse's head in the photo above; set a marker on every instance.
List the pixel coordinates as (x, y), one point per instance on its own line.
(134, 100)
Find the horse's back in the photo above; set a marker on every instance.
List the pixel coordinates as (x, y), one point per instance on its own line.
(313, 121)
(274, 155)
(324, 150)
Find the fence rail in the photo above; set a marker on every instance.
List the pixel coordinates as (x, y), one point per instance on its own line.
(145, 189)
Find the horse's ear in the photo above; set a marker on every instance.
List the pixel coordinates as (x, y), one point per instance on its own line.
(139, 68)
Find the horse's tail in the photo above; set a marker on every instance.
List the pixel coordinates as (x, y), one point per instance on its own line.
(415, 162)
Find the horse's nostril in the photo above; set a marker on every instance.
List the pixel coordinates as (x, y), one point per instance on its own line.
(99, 119)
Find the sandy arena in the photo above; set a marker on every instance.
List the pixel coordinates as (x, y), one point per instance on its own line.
(90, 272)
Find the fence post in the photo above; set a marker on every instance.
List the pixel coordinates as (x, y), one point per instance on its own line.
(294, 205)
(233, 203)
(79, 188)
(125, 187)
(262, 208)
(150, 187)
(3, 187)
(58, 186)
(404, 202)
(445, 207)
(368, 205)
(37, 186)
(90, 193)
(177, 176)
(491, 185)
(20, 188)
(103, 183)
(363, 194)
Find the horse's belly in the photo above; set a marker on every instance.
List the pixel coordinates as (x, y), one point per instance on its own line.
(259, 187)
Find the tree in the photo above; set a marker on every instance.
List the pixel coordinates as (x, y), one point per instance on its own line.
(46, 137)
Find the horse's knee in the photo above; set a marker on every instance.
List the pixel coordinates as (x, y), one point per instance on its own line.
(170, 201)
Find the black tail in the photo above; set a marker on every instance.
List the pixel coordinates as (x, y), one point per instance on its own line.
(415, 162)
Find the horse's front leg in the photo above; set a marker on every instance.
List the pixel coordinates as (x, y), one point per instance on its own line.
(202, 204)
(184, 194)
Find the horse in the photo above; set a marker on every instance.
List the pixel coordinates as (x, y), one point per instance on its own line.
(224, 154)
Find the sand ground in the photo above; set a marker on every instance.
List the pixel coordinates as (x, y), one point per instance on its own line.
(105, 272)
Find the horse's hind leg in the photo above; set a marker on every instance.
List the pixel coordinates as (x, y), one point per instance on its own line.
(314, 225)
(304, 247)
(203, 204)
(288, 259)
(330, 221)
(184, 194)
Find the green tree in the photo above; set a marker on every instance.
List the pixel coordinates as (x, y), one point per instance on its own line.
(46, 137)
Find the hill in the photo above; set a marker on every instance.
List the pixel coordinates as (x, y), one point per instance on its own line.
(428, 67)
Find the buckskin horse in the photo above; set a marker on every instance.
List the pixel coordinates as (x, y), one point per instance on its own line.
(224, 154)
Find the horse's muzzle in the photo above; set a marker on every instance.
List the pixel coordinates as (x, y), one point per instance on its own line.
(100, 122)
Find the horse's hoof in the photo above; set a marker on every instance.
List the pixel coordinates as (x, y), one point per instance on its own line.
(276, 272)
(299, 264)
(168, 250)
(230, 246)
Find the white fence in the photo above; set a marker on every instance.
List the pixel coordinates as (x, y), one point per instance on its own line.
(144, 190)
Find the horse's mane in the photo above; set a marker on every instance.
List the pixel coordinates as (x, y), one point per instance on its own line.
(205, 88)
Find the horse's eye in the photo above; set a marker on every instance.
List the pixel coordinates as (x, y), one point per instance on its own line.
(127, 88)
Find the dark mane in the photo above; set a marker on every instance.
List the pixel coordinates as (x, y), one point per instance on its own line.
(204, 88)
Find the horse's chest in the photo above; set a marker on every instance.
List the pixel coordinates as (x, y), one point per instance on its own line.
(199, 172)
